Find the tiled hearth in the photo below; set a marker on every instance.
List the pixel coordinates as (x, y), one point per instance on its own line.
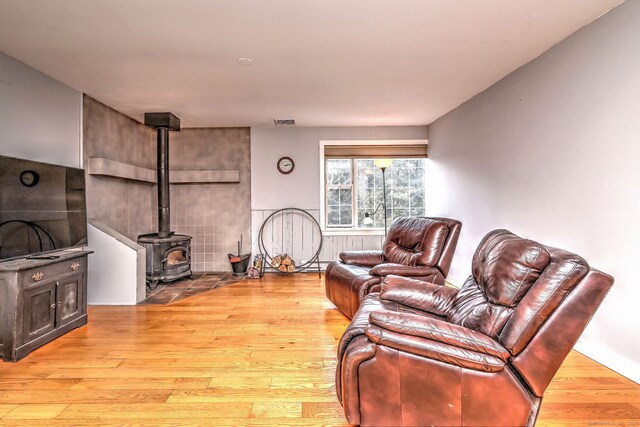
(176, 291)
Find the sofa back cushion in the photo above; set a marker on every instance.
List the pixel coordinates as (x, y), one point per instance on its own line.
(415, 241)
(514, 287)
(505, 266)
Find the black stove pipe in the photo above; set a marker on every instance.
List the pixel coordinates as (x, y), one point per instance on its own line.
(163, 123)
(164, 213)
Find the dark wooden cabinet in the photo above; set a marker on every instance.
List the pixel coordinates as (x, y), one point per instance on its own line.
(40, 300)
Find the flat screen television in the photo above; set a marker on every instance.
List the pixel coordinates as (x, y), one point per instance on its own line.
(42, 208)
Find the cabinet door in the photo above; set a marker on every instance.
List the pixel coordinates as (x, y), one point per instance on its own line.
(70, 297)
(39, 311)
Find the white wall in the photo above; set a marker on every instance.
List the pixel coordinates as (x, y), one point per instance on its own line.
(116, 273)
(301, 189)
(40, 118)
(551, 152)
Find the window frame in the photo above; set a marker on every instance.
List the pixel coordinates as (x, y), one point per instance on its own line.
(353, 229)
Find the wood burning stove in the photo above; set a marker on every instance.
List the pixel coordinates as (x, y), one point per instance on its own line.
(168, 258)
(168, 254)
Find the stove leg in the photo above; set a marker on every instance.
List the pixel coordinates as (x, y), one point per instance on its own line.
(152, 284)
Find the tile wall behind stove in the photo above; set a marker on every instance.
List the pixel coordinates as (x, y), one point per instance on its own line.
(213, 214)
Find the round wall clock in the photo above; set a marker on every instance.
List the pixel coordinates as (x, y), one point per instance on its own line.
(285, 165)
(29, 178)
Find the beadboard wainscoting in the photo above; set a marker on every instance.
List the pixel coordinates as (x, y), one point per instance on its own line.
(297, 235)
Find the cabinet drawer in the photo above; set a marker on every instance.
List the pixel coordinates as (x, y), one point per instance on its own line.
(33, 276)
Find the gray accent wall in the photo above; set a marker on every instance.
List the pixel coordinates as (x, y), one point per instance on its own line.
(126, 206)
(550, 152)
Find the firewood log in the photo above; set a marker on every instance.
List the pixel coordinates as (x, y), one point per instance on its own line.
(291, 268)
(282, 268)
(276, 261)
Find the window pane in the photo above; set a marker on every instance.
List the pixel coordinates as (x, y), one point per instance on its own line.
(417, 198)
(365, 200)
(338, 172)
(397, 213)
(417, 174)
(333, 198)
(400, 197)
(333, 215)
(345, 215)
(416, 212)
(366, 172)
(345, 196)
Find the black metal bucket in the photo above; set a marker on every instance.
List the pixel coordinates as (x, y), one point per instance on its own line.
(239, 267)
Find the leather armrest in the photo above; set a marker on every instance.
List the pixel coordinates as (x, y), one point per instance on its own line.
(361, 320)
(435, 350)
(414, 293)
(365, 258)
(401, 270)
(440, 331)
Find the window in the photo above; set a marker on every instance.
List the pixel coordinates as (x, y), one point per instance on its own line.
(339, 185)
(353, 186)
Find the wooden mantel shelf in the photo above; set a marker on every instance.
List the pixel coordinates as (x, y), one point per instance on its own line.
(105, 167)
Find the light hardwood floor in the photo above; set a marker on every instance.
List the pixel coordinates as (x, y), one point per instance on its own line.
(258, 352)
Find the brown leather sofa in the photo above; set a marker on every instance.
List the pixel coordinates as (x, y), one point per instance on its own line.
(417, 247)
(419, 354)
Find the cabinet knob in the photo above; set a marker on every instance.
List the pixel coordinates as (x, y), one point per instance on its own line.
(53, 305)
(37, 276)
(75, 266)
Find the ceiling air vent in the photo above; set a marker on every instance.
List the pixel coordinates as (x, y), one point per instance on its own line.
(284, 122)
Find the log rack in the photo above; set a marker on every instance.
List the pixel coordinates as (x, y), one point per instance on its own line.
(267, 258)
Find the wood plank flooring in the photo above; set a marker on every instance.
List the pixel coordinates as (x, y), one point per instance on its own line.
(258, 352)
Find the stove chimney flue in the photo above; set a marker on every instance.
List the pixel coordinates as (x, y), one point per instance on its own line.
(163, 123)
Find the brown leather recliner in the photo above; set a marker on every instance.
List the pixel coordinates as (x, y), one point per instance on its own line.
(483, 355)
(417, 247)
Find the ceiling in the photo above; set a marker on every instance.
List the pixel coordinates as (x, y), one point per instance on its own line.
(321, 62)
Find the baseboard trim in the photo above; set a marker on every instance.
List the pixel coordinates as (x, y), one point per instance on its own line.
(615, 362)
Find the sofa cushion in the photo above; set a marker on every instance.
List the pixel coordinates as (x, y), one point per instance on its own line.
(471, 309)
(506, 266)
(415, 241)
